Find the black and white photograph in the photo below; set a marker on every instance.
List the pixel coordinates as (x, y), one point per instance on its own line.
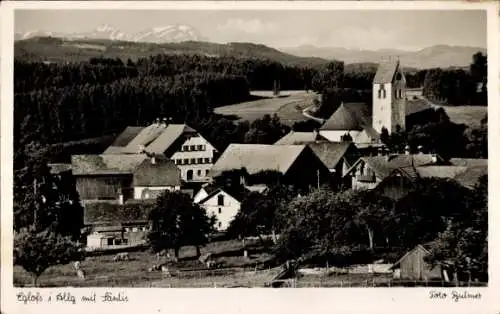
(250, 148)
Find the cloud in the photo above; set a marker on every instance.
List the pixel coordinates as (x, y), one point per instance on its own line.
(248, 26)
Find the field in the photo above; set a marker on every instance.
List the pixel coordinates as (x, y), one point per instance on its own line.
(468, 115)
(102, 271)
(288, 106)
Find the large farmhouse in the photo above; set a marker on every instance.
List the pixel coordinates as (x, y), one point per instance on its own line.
(191, 152)
(298, 164)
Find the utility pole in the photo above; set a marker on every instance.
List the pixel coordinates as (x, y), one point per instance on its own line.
(317, 174)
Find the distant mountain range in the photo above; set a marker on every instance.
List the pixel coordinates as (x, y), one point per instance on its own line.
(163, 34)
(110, 41)
(431, 57)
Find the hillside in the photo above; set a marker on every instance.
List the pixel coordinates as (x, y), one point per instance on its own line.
(67, 50)
(442, 56)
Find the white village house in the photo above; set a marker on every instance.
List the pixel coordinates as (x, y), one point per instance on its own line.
(219, 203)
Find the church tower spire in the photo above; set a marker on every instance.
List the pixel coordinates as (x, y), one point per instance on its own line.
(389, 96)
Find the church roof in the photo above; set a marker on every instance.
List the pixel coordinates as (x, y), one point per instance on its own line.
(385, 72)
(349, 116)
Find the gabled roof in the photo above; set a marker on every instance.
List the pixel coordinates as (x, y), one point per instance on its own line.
(168, 137)
(297, 138)
(144, 138)
(163, 172)
(123, 139)
(469, 162)
(416, 105)
(383, 166)
(418, 247)
(385, 72)
(105, 164)
(470, 177)
(368, 135)
(237, 196)
(349, 116)
(127, 135)
(330, 153)
(57, 168)
(256, 158)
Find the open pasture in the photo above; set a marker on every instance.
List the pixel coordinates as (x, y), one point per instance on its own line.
(102, 271)
(288, 106)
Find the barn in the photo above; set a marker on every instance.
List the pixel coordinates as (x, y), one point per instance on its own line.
(413, 266)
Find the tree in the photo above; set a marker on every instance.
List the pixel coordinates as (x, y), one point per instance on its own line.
(321, 227)
(36, 250)
(463, 246)
(428, 209)
(372, 212)
(177, 222)
(384, 136)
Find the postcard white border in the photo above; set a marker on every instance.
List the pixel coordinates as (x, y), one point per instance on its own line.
(314, 300)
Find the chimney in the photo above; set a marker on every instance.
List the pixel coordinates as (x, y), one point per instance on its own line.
(420, 149)
(153, 160)
(141, 149)
(407, 150)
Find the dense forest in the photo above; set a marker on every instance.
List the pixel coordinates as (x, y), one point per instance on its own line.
(65, 102)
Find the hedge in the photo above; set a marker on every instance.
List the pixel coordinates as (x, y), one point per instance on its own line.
(95, 213)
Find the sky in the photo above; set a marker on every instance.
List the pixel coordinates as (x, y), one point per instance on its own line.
(408, 30)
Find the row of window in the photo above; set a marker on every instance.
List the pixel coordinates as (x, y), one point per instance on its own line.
(189, 148)
(398, 93)
(193, 161)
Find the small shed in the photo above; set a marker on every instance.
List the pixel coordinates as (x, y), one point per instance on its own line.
(98, 240)
(413, 266)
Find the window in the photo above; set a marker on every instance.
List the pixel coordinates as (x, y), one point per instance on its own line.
(200, 147)
(207, 160)
(220, 200)
(400, 94)
(193, 161)
(186, 161)
(200, 160)
(193, 147)
(189, 175)
(184, 148)
(379, 93)
(383, 93)
(220, 210)
(206, 172)
(199, 173)
(220, 224)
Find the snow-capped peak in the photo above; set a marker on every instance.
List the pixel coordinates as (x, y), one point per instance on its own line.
(157, 34)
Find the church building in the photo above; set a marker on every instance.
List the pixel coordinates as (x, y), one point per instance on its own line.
(362, 124)
(389, 97)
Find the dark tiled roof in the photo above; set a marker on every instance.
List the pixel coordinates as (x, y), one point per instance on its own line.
(416, 105)
(127, 135)
(144, 138)
(58, 168)
(297, 138)
(330, 153)
(383, 166)
(385, 72)
(470, 177)
(256, 158)
(105, 164)
(349, 116)
(168, 137)
(162, 173)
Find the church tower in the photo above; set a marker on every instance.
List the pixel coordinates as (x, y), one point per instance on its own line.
(389, 97)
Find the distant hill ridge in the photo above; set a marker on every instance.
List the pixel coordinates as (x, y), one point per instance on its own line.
(78, 49)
